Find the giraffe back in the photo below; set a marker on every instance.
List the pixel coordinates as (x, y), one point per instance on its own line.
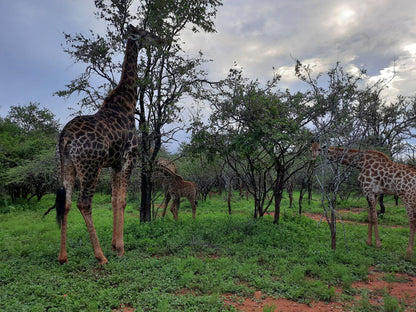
(97, 140)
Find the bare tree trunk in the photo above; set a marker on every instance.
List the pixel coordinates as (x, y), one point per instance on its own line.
(333, 228)
(382, 207)
(310, 192)
(229, 198)
(301, 193)
(146, 198)
(278, 194)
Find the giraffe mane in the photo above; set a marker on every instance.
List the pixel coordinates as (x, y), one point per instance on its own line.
(381, 154)
(354, 150)
(170, 172)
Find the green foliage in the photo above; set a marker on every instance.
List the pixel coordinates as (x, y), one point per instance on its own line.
(186, 265)
(27, 148)
(33, 119)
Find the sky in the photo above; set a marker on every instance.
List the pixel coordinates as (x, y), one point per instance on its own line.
(262, 36)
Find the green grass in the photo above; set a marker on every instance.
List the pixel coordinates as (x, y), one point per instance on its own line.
(187, 265)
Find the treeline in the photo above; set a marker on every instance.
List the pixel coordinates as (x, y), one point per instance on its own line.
(257, 138)
(250, 134)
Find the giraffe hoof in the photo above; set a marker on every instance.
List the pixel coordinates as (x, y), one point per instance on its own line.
(119, 250)
(62, 261)
(103, 261)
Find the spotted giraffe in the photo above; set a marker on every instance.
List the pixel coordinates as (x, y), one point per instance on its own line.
(176, 187)
(378, 175)
(169, 164)
(106, 139)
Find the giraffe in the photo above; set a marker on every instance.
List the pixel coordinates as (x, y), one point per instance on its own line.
(106, 139)
(175, 188)
(379, 175)
(169, 164)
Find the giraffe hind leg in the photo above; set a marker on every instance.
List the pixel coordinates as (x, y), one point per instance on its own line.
(63, 206)
(62, 212)
(192, 201)
(84, 205)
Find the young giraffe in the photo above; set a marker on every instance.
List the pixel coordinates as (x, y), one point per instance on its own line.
(176, 187)
(379, 175)
(169, 164)
(106, 139)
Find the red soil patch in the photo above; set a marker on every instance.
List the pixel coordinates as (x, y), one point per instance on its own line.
(124, 309)
(401, 286)
(378, 285)
(259, 302)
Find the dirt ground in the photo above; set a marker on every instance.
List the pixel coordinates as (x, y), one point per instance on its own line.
(400, 286)
(403, 288)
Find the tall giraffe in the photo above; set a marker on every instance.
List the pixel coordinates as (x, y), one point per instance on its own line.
(106, 139)
(379, 175)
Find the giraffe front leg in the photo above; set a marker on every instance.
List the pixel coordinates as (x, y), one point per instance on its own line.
(118, 200)
(167, 200)
(409, 250)
(370, 222)
(372, 216)
(118, 229)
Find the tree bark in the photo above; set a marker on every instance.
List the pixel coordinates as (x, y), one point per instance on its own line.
(146, 198)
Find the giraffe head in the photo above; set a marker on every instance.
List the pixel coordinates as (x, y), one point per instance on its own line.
(315, 149)
(143, 37)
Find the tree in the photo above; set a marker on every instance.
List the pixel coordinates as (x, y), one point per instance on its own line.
(388, 125)
(261, 133)
(338, 95)
(165, 75)
(27, 146)
(32, 118)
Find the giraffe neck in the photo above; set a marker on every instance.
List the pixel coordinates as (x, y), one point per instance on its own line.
(356, 158)
(124, 96)
(129, 71)
(346, 157)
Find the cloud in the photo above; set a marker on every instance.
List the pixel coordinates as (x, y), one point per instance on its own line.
(263, 36)
(360, 34)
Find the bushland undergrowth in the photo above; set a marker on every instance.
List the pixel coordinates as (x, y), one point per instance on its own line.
(189, 264)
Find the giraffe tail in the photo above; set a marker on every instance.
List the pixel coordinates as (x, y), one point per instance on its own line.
(60, 205)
